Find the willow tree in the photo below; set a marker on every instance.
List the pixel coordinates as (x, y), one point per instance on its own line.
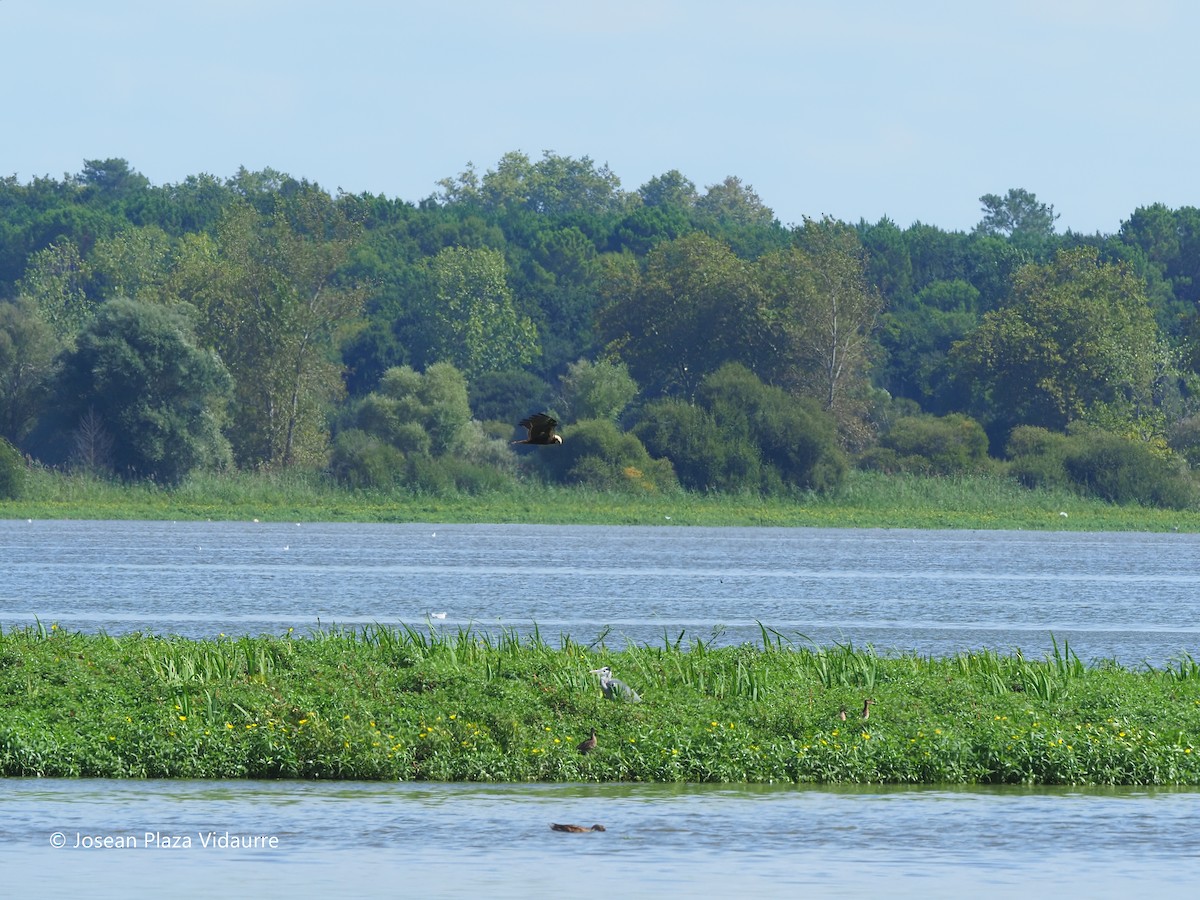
(274, 308)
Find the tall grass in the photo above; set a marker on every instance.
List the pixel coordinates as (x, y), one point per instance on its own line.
(866, 500)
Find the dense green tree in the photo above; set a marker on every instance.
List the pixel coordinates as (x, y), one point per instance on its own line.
(695, 307)
(1078, 341)
(416, 429)
(599, 390)
(1017, 215)
(158, 396)
(823, 313)
(796, 440)
(57, 280)
(555, 186)
(744, 435)
(468, 314)
(732, 202)
(1100, 464)
(509, 396)
(133, 263)
(273, 306)
(671, 189)
(28, 350)
(706, 456)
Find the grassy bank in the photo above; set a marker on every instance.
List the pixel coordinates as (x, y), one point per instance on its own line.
(384, 703)
(868, 500)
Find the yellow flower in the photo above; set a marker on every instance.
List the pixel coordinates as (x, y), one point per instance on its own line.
(865, 736)
(304, 721)
(183, 718)
(228, 724)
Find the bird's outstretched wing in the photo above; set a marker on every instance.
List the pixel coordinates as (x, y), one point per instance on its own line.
(540, 430)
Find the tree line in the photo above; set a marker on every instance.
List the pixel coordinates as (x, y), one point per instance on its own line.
(684, 337)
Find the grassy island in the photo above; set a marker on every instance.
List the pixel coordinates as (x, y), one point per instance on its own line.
(409, 704)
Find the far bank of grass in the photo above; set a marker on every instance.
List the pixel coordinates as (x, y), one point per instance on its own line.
(868, 500)
(410, 704)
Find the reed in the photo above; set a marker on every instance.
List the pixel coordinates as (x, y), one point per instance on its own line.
(867, 500)
(415, 702)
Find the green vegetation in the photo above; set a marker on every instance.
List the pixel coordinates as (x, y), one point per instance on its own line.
(681, 337)
(866, 500)
(404, 703)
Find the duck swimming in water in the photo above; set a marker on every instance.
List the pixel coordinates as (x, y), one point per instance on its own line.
(575, 829)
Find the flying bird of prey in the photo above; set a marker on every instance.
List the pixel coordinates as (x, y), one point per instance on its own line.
(540, 428)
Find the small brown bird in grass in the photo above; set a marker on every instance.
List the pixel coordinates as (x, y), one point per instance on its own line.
(842, 714)
(540, 430)
(575, 829)
(589, 745)
(867, 708)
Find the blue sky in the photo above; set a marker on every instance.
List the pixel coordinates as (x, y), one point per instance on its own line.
(910, 110)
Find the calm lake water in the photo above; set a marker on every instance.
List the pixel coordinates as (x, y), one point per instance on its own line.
(1129, 597)
(420, 840)
(1126, 597)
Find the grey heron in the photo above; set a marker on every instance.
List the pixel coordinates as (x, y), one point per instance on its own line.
(614, 688)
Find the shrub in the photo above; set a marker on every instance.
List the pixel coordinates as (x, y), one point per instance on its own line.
(793, 441)
(1037, 456)
(1184, 439)
(1101, 464)
(1124, 471)
(938, 445)
(448, 475)
(361, 460)
(598, 454)
(705, 457)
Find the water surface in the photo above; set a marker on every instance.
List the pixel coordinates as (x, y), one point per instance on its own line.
(423, 840)
(1110, 595)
